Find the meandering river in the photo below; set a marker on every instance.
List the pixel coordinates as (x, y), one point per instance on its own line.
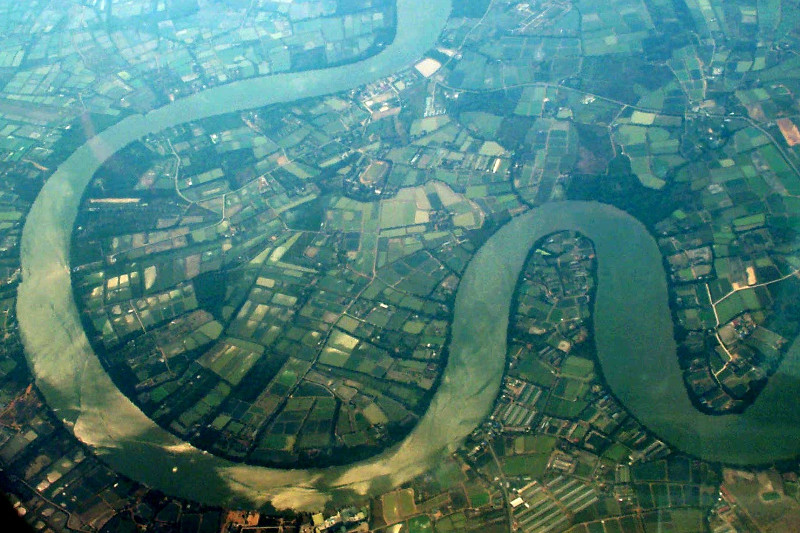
(633, 327)
(81, 393)
(635, 344)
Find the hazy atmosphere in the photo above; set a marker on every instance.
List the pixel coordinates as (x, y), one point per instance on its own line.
(400, 266)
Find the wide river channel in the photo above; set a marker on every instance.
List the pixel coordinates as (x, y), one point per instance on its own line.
(632, 323)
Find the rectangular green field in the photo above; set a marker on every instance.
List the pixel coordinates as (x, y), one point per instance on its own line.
(232, 359)
(577, 368)
(532, 465)
(398, 505)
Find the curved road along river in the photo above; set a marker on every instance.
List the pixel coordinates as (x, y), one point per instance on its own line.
(633, 327)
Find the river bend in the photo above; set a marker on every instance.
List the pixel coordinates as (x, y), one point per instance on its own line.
(632, 323)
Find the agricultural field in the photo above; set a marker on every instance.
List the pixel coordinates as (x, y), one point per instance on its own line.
(276, 286)
(266, 320)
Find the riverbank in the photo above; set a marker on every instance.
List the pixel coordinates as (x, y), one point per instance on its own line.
(68, 372)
